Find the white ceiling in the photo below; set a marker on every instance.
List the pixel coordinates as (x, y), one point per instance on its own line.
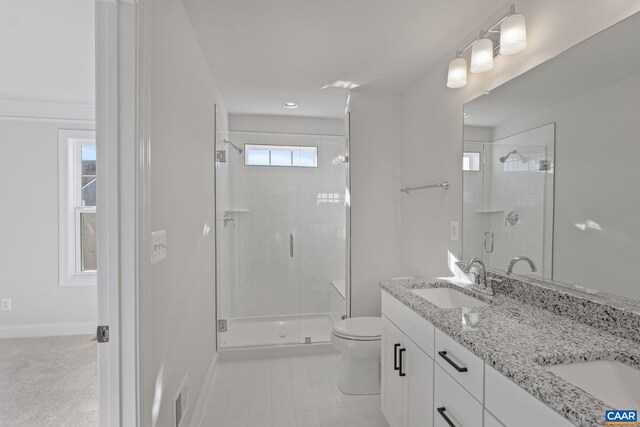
(47, 51)
(265, 52)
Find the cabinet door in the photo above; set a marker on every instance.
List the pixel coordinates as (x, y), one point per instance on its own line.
(392, 382)
(418, 397)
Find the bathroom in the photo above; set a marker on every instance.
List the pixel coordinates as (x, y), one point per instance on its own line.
(523, 234)
(363, 214)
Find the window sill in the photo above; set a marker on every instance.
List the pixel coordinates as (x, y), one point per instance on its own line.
(79, 280)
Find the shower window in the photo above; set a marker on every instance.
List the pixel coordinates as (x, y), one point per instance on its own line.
(280, 155)
(471, 161)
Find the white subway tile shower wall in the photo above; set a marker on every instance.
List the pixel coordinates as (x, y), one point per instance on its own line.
(305, 202)
(472, 203)
(518, 185)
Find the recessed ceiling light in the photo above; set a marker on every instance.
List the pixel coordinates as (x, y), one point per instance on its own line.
(465, 115)
(291, 105)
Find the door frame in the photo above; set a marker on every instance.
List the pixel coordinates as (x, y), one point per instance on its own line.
(122, 222)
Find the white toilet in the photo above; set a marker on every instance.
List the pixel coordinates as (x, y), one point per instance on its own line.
(359, 341)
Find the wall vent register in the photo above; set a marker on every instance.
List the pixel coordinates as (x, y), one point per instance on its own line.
(280, 155)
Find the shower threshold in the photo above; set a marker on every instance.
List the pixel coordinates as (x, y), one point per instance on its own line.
(278, 330)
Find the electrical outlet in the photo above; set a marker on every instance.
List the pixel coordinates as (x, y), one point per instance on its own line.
(158, 246)
(6, 304)
(455, 231)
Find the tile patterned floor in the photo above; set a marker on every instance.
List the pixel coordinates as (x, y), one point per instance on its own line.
(287, 392)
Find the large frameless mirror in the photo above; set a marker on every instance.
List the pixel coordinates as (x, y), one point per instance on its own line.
(550, 168)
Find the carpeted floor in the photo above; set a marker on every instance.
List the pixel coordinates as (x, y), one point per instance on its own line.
(48, 381)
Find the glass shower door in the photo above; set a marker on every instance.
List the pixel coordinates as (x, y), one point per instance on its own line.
(281, 234)
(258, 286)
(321, 237)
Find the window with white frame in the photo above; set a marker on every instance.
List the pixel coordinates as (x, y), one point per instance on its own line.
(471, 161)
(77, 180)
(280, 155)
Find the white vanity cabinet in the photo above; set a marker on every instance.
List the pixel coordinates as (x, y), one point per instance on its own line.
(429, 379)
(393, 384)
(407, 373)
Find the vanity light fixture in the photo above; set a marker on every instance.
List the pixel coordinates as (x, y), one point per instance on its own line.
(513, 34)
(291, 105)
(482, 56)
(506, 37)
(457, 73)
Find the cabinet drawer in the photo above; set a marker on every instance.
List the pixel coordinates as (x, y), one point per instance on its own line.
(514, 407)
(464, 366)
(419, 330)
(454, 402)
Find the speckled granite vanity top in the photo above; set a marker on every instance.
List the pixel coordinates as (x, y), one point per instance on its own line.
(519, 339)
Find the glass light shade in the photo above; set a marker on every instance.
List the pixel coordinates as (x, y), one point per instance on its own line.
(482, 56)
(513, 35)
(457, 73)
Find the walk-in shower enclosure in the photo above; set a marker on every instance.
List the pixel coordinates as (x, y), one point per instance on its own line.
(281, 237)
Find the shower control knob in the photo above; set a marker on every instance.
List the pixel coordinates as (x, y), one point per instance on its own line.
(512, 218)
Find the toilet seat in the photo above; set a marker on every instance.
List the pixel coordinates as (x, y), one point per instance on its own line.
(359, 329)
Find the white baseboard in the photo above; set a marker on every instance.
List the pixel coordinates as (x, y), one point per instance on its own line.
(47, 329)
(201, 405)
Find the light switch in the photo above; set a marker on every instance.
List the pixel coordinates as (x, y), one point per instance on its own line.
(158, 246)
(455, 231)
(6, 304)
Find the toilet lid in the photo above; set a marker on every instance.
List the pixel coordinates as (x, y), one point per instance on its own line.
(360, 328)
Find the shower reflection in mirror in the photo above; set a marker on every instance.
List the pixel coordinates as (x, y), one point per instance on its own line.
(508, 197)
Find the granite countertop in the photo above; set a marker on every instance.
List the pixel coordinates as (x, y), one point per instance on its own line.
(518, 340)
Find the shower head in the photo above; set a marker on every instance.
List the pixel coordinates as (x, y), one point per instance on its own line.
(504, 158)
(238, 149)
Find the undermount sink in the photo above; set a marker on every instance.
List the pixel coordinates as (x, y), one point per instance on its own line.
(448, 298)
(614, 383)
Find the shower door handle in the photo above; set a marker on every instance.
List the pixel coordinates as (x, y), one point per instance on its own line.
(291, 245)
(488, 242)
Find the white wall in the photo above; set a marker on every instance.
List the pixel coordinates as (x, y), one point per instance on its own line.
(47, 62)
(286, 124)
(432, 121)
(179, 306)
(29, 230)
(375, 142)
(596, 182)
(48, 51)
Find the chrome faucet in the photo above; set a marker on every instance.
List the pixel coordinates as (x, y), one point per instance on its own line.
(521, 258)
(482, 284)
